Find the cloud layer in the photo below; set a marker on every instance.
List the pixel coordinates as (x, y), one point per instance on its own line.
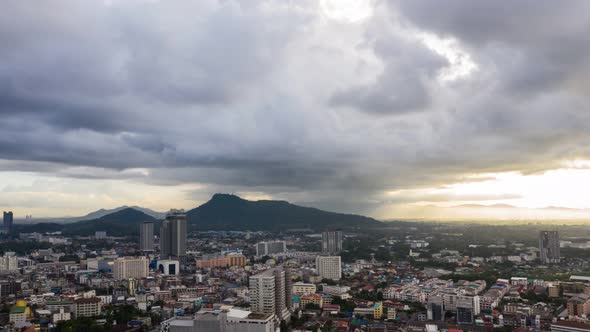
(283, 99)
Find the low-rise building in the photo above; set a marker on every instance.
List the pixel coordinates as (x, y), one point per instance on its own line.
(18, 314)
(300, 288)
(87, 307)
(314, 299)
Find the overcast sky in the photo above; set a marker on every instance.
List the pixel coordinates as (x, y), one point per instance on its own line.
(373, 107)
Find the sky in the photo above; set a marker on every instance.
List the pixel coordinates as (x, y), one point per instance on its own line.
(393, 109)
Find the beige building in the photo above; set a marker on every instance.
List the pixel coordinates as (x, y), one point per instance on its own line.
(578, 306)
(553, 290)
(130, 267)
(87, 307)
(329, 267)
(315, 299)
(300, 288)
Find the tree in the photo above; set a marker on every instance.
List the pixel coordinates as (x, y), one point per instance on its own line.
(312, 306)
(328, 326)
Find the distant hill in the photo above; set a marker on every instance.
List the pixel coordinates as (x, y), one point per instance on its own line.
(230, 212)
(122, 222)
(103, 212)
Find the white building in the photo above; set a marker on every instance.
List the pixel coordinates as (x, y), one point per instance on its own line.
(169, 267)
(130, 267)
(270, 247)
(268, 293)
(8, 262)
(62, 315)
(227, 320)
(329, 267)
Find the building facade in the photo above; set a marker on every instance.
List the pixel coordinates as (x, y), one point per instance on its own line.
(87, 307)
(332, 242)
(173, 235)
(8, 262)
(549, 247)
(8, 221)
(270, 247)
(329, 267)
(222, 261)
(146, 236)
(268, 293)
(300, 288)
(130, 267)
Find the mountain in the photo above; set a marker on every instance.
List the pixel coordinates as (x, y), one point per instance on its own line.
(121, 222)
(230, 212)
(103, 212)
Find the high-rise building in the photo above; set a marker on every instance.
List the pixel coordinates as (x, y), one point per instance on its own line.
(329, 267)
(549, 247)
(467, 308)
(130, 267)
(435, 310)
(7, 221)
(332, 242)
(8, 262)
(270, 247)
(268, 293)
(146, 236)
(173, 235)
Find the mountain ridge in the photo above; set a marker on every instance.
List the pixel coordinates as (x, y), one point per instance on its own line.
(228, 211)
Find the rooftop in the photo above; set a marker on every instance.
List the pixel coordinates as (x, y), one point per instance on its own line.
(17, 310)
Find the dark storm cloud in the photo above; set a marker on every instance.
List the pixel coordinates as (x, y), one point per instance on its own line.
(273, 96)
(405, 83)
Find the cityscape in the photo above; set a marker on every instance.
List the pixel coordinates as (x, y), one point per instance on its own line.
(393, 276)
(294, 165)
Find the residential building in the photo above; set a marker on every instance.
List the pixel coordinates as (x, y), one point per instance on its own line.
(57, 306)
(553, 290)
(300, 288)
(173, 235)
(435, 310)
(87, 307)
(329, 267)
(130, 267)
(331, 242)
(314, 299)
(62, 315)
(578, 306)
(8, 262)
(146, 236)
(549, 247)
(232, 259)
(467, 308)
(268, 293)
(375, 311)
(270, 247)
(340, 291)
(18, 314)
(227, 320)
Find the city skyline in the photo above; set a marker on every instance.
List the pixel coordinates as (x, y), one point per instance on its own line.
(391, 109)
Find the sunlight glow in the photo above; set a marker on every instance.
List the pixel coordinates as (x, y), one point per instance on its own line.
(560, 187)
(461, 64)
(347, 10)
